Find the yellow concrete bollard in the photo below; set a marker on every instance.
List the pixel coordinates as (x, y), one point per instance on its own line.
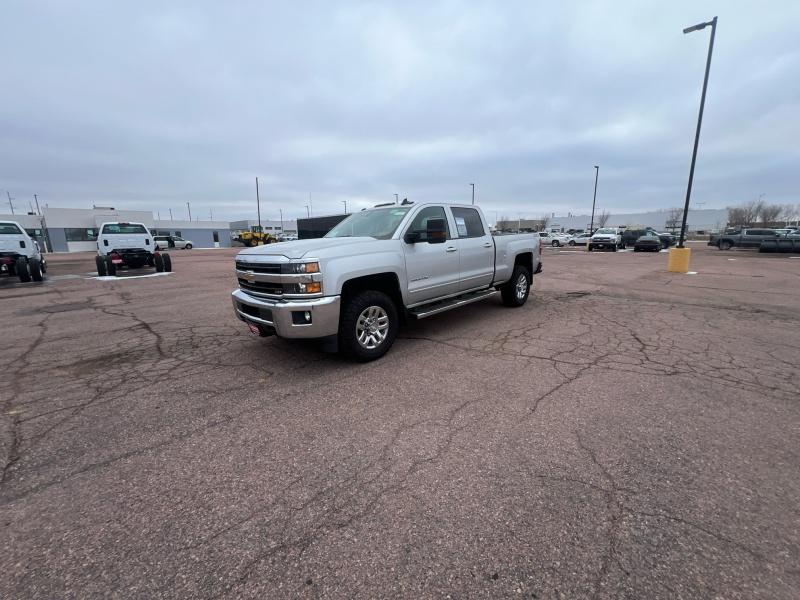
(678, 261)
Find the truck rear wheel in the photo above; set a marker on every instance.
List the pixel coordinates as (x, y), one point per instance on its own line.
(725, 245)
(159, 260)
(111, 268)
(101, 266)
(167, 260)
(22, 270)
(516, 290)
(368, 326)
(35, 268)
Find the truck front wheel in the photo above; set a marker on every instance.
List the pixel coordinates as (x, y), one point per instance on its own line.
(368, 325)
(35, 268)
(100, 261)
(725, 245)
(515, 291)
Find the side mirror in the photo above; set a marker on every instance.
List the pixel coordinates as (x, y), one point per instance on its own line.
(412, 237)
(436, 231)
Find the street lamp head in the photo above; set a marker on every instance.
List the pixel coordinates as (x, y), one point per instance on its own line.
(597, 166)
(697, 27)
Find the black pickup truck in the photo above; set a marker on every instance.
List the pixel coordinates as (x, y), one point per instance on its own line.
(766, 240)
(629, 236)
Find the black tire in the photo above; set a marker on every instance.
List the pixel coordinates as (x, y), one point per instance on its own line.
(615, 248)
(159, 260)
(555, 243)
(591, 248)
(510, 292)
(351, 322)
(572, 242)
(43, 263)
(22, 270)
(188, 247)
(635, 249)
(111, 268)
(35, 269)
(151, 261)
(101, 266)
(725, 245)
(167, 260)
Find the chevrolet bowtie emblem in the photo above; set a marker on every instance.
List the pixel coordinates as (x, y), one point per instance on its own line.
(249, 275)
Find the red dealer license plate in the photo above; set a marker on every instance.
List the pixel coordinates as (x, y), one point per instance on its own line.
(253, 329)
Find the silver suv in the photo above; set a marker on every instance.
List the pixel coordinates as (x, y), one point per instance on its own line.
(163, 242)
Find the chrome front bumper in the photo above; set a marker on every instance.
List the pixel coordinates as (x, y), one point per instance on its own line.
(277, 314)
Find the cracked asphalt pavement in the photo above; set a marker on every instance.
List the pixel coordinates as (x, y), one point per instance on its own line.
(629, 433)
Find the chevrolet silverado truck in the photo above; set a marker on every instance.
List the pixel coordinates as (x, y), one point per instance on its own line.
(19, 254)
(378, 267)
(128, 245)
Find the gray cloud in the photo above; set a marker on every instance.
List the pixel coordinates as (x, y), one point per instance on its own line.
(151, 105)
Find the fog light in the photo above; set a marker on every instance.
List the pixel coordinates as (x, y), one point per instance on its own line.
(307, 315)
(301, 317)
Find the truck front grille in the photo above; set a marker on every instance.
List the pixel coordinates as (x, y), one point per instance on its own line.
(262, 287)
(258, 267)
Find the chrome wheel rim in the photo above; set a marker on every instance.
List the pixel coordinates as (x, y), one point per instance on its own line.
(372, 327)
(522, 286)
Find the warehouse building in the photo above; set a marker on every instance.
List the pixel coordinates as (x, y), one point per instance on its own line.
(286, 227)
(76, 229)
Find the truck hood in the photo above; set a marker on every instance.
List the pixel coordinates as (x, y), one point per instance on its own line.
(315, 248)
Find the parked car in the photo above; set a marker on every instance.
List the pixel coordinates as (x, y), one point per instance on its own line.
(377, 267)
(746, 238)
(629, 236)
(164, 242)
(555, 239)
(128, 245)
(580, 239)
(649, 242)
(606, 237)
(20, 255)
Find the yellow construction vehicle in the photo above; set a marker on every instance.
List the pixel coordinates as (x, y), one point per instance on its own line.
(255, 237)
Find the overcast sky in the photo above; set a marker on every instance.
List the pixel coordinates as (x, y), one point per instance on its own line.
(148, 105)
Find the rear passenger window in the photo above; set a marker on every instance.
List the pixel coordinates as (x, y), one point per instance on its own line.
(468, 222)
(420, 223)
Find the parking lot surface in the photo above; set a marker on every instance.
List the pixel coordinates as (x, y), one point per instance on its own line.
(628, 433)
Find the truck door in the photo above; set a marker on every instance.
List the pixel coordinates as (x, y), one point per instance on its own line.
(432, 269)
(475, 249)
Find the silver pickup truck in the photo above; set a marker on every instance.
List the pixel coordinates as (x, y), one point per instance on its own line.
(378, 267)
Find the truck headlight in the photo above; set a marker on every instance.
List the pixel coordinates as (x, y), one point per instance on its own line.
(309, 267)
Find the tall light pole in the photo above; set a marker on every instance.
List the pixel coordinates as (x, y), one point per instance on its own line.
(698, 27)
(258, 205)
(473, 192)
(170, 214)
(308, 212)
(396, 199)
(594, 198)
(36, 197)
(345, 205)
(11, 204)
(281, 211)
(190, 211)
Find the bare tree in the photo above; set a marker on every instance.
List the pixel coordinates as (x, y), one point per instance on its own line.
(674, 218)
(602, 218)
(789, 213)
(738, 216)
(769, 213)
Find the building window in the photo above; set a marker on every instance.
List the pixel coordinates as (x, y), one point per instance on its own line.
(216, 236)
(80, 234)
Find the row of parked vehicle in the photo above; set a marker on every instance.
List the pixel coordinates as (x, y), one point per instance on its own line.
(612, 238)
(766, 240)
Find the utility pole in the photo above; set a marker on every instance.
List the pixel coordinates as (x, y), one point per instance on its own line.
(38, 212)
(9, 201)
(345, 205)
(170, 214)
(258, 205)
(308, 212)
(310, 205)
(281, 211)
(190, 211)
(473, 192)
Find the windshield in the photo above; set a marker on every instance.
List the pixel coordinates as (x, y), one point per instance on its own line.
(9, 229)
(380, 224)
(124, 228)
(606, 230)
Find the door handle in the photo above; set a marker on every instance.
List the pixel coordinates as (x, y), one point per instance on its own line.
(450, 249)
(487, 245)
